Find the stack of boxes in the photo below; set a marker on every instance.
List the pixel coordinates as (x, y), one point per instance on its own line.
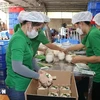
(94, 7)
(3, 47)
(13, 14)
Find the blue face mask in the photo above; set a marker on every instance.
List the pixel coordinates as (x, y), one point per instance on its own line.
(44, 28)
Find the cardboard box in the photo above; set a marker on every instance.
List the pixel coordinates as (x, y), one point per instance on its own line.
(42, 91)
(63, 78)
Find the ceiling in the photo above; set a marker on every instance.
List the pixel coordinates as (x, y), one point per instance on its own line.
(51, 5)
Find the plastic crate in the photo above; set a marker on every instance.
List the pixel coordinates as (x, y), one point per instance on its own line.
(11, 15)
(2, 86)
(15, 9)
(2, 81)
(3, 72)
(91, 5)
(94, 5)
(94, 12)
(16, 15)
(16, 22)
(2, 57)
(3, 64)
(11, 26)
(11, 21)
(11, 31)
(3, 46)
(98, 5)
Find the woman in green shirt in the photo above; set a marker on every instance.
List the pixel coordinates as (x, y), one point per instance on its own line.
(19, 57)
(96, 19)
(92, 43)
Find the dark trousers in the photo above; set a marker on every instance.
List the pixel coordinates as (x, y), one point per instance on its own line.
(82, 87)
(15, 95)
(96, 91)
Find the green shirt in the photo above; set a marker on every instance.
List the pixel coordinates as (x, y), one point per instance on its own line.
(17, 27)
(19, 49)
(41, 38)
(92, 43)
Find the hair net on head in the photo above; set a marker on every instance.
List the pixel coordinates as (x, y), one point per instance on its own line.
(97, 19)
(82, 16)
(30, 16)
(46, 18)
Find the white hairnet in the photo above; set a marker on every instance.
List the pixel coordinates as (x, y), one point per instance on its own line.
(82, 16)
(46, 18)
(97, 19)
(30, 16)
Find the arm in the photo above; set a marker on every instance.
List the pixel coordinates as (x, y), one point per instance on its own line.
(35, 65)
(84, 59)
(76, 47)
(54, 47)
(21, 69)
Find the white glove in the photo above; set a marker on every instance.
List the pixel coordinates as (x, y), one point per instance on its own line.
(50, 79)
(69, 58)
(43, 80)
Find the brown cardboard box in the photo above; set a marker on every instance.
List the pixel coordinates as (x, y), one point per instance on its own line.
(54, 90)
(43, 91)
(62, 77)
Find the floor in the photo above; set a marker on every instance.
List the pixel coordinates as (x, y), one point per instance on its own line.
(4, 97)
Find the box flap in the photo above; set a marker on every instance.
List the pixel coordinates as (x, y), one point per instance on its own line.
(62, 77)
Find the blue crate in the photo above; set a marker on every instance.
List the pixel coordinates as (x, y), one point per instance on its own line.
(72, 41)
(2, 57)
(11, 15)
(3, 72)
(91, 5)
(16, 22)
(94, 5)
(94, 12)
(97, 5)
(2, 81)
(3, 86)
(3, 46)
(3, 64)
(16, 15)
(11, 26)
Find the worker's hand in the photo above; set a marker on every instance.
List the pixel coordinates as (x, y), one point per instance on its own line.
(66, 51)
(63, 50)
(45, 51)
(44, 80)
(76, 59)
(41, 72)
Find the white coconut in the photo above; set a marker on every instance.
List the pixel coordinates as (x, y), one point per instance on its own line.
(40, 53)
(61, 55)
(56, 52)
(49, 57)
(68, 58)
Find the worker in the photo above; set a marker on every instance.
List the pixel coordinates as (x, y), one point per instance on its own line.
(41, 38)
(92, 43)
(19, 55)
(96, 19)
(63, 30)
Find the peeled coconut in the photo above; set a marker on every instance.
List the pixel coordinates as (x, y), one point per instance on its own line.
(49, 51)
(49, 76)
(49, 57)
(68, 58)
(40, 53)
(50, 79)
(56, 52)
(61, 55)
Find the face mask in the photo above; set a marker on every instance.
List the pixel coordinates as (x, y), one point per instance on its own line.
(44, 28)
(78, 30)
(32, 34)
